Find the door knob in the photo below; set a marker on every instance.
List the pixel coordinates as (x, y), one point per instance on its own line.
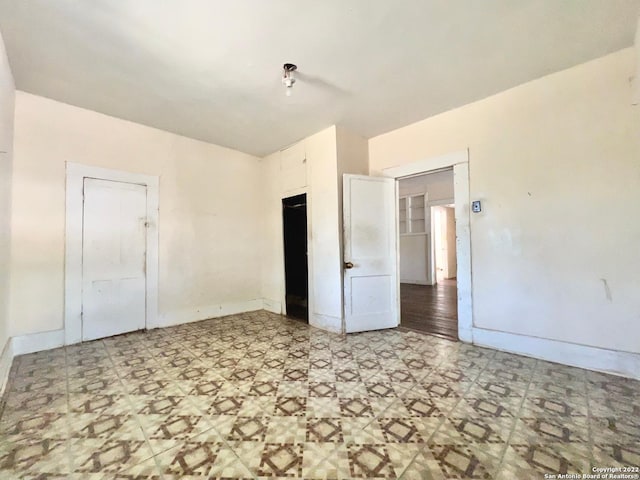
(348, 265)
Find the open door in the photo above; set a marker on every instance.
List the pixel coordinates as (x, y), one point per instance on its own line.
(370, 258)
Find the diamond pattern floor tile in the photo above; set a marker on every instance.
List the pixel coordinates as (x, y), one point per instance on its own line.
(257, 395)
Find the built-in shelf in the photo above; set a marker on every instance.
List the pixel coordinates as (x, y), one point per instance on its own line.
(402, 215)
(411, 214)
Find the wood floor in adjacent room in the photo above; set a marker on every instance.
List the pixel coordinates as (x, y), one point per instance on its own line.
(430, 308)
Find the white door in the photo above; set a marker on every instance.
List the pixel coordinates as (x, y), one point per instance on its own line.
(113, 258)
(370, 254)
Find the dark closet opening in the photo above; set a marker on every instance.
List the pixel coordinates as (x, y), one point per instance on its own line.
(294, 216)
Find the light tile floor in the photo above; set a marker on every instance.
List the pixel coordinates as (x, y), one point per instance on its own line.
(260, 396)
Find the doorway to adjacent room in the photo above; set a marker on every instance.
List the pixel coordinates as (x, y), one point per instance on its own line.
(294, 219)
(428, 266)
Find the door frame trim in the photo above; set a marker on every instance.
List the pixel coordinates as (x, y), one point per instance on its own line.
(459, 160)
(75, 175)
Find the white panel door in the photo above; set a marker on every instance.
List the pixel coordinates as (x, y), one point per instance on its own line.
(113, 258)
(370, 254)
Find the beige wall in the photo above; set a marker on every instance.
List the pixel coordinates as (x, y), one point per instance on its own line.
(636, 80)
(326, 267)
(556, 163)
(325, 156)
(438, 186)
(209, 219)
(353, 154)
(272, 243)
(7, 100)
(353, 158)
(282, 178)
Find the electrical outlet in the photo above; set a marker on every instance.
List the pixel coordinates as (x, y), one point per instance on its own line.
(476, 206)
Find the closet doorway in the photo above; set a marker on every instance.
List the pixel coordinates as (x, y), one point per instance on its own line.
(294, 219)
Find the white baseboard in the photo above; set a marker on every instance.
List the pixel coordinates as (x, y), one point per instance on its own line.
(189, 315)
(465, 334)
(23, 344)
(6, 359)
(37, 342)
(272, 306)
(626, 364)
(326, 322)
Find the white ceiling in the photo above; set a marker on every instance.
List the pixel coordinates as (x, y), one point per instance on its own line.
(210, 69)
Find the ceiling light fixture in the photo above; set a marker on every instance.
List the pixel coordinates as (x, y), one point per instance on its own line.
(288, 78)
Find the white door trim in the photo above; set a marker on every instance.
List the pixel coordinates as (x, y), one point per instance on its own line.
(441, 203)
(460, 162)
(427, 165)
(76, 173)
